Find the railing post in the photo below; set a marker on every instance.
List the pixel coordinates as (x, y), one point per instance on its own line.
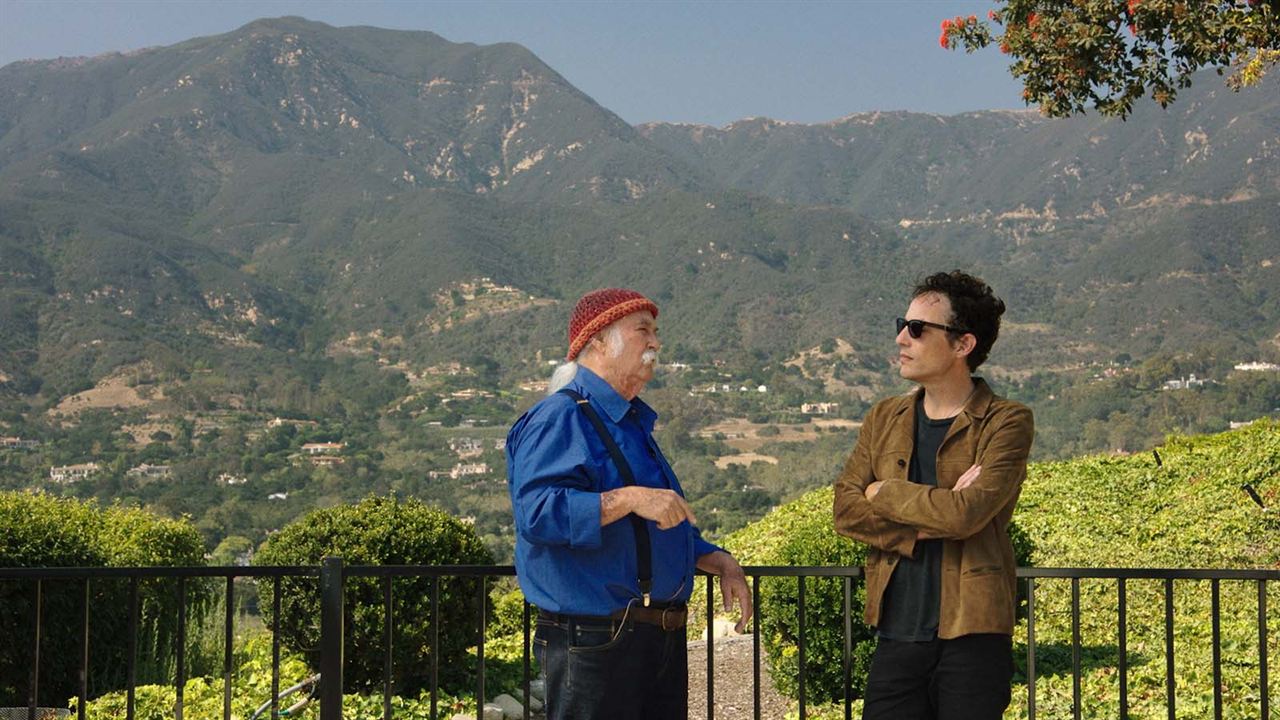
(34, 687)
(331, 632)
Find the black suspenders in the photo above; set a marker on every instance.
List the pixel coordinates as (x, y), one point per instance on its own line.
(644, 556)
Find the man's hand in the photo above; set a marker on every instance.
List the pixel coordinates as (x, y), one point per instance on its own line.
(664, 507)
(733, 583)
(872, 489)
(969, 477)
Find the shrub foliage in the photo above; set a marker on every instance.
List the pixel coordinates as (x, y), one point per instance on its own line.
(39, 530)
(381, 531)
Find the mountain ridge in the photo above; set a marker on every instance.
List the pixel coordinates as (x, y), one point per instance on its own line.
(286, 185)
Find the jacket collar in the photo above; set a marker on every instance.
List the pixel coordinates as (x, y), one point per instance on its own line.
(976, 407)
(602, 394)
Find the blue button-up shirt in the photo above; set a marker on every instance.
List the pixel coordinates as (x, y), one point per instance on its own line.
(557, 467)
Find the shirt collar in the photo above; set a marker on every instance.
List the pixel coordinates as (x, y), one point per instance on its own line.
(613, 404)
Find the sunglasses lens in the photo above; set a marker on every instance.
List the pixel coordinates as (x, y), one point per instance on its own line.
(915, 328)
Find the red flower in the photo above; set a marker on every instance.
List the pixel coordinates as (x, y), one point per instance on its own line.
(973, 19)
(946, 25)
(1004, 47)
(1133, 6)
(943, 41)
(1032, 19)
(991, 14)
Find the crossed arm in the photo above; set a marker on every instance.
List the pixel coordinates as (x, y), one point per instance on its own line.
(891, 515)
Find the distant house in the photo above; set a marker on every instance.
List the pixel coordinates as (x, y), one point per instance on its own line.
(820, 408)
(465, 469)
(1185, 383)
(326, 460)
(281, 422)
(1257, 366)
(466, 447)
(150, 472)
(500, 444)
(325, 448)
(17, 443)
(230, 480)
(278, 496)
(73, 473)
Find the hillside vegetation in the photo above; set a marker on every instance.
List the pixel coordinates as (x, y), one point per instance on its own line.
(217, 255)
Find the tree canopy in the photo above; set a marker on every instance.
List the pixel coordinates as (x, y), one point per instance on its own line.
(1073, 54)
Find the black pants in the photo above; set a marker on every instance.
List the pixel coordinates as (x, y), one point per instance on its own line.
(602, 669)
(967, 678)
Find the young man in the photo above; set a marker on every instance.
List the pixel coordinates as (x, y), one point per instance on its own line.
(605, 543)
(930, 488)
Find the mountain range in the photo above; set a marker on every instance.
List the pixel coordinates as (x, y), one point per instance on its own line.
(291, 190)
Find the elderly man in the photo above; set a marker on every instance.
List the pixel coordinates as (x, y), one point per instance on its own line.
(605, 543)
(930, 487)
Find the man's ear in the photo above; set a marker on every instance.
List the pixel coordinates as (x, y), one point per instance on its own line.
(597, 343)
(966, 344)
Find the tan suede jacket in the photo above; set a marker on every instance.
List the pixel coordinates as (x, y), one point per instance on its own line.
(978, 567)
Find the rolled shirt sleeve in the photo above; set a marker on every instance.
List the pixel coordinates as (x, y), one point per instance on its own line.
(701, 546)
(552, 490)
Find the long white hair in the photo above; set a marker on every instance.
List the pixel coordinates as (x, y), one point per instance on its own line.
(561, 376)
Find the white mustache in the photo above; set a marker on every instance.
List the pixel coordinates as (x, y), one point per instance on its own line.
(649, 357)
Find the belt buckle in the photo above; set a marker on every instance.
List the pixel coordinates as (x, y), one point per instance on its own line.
(665, 610)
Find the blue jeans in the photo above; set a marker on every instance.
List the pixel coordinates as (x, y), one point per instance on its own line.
(605, 669)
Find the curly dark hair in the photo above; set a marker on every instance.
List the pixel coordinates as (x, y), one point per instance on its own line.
(974, 307)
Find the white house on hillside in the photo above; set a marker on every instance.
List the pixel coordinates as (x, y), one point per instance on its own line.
(72, 473)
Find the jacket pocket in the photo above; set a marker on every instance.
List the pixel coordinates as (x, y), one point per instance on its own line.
(892, 466)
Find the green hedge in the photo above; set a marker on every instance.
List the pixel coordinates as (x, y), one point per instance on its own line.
(40, 530)
(381, 531)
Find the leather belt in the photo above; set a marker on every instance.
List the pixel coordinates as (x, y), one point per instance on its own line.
(667, 618)
(672, 617)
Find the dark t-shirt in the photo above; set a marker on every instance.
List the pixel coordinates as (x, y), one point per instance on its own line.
(910, 608)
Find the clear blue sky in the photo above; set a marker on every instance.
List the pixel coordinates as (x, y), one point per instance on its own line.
(708, 62)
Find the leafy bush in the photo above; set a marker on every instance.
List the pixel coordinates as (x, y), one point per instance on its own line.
(801, 534)
(381, 531)
(251, 686)
(39, 530)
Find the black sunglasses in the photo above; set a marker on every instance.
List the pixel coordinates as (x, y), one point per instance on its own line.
(915, 328)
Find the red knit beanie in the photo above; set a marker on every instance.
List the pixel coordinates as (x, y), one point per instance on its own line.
(598, 310)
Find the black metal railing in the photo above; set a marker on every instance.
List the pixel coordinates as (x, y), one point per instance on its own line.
(333, 574)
